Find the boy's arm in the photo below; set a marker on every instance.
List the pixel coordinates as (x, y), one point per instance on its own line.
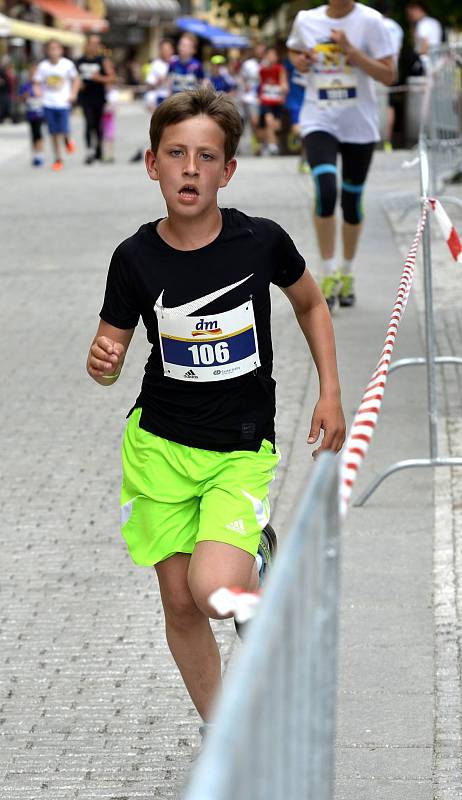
(75, 87)
(107, 353)
(284, 81)
(314, 319)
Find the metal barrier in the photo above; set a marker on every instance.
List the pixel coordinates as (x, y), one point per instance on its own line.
(274, 732)
(440, 156)
(442, 116)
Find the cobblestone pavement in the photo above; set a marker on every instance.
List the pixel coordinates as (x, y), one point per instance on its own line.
(447, 562)
(91, 706)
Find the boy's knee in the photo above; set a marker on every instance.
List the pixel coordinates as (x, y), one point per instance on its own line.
(352, 206)
(180, 609)
(201, 593)
(325, 182)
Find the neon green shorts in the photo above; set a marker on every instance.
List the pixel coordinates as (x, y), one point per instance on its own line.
(174, 496)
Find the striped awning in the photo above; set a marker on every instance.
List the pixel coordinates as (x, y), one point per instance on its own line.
(144, 9)
(72, 16)
(38, 33)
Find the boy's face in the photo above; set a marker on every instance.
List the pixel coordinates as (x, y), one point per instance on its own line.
(54, 51)
(186, 48)
(190, 166)
(166, 51)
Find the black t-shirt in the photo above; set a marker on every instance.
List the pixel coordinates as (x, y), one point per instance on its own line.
(92, 92)
(248, 254)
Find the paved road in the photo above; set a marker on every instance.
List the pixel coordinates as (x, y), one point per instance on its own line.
(90, 704)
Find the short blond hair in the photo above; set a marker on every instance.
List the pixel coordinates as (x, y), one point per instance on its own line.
(192, 103)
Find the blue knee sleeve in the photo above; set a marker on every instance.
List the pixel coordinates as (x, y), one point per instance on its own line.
(352, 203)
(325, 184)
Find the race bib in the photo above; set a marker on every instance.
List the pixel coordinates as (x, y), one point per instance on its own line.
(335, 82)
(271, 93)
(183, 83)
(213, 347)
(54, 82)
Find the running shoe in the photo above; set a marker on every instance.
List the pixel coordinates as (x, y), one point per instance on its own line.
(273, 149)
(266, 551)
(89, 159)
(303, 167)
(37, 161)
(387, 147)
(70, 146)
(346, 297)
(328, 287)
(57, 166)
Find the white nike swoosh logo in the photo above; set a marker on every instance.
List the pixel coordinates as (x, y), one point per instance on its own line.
(189, 308)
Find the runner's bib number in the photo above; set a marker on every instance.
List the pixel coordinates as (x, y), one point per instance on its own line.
(335, 82)
(339, 90)
(213, 347)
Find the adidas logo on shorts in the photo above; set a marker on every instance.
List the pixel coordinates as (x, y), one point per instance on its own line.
(237, 526)
(190, 374)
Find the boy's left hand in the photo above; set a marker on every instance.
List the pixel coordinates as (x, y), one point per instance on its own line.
(327, 416)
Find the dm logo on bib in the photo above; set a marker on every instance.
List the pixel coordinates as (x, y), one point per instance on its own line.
(206, 326)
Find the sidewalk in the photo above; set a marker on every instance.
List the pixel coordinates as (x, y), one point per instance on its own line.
(92, 708)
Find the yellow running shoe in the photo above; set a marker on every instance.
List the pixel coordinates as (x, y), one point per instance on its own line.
(346, 296)
(328, 287)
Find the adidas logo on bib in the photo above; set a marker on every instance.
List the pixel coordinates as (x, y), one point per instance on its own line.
(237, 526)
(190, 374)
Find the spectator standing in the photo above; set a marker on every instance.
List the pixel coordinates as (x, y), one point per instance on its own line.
(427, 30)
(272, 94)
(57, 82)
(34, 115)
(397, 36)
(96, 74)
(185, 71)
(7, 81)
(250, 81)
(343, 47)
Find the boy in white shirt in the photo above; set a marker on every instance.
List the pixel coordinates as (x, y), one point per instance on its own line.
(57, 82)
(343, 47)
(427, 31)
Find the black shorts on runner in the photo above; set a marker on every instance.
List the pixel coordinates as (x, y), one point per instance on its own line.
(276, 111)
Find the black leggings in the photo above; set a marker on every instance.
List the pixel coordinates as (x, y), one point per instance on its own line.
(321, 151)
(93, 114)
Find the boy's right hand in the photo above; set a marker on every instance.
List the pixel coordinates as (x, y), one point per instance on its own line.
(105, 358)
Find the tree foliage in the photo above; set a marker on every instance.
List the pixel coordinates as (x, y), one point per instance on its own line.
(448, 12)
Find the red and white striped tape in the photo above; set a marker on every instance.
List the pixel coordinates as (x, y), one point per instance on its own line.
(447, 229)
(365, 420)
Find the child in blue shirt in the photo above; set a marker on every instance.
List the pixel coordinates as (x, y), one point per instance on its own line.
(219, 76)
(34, 116)
(185, 71)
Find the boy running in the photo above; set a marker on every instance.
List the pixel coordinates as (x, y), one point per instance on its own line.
(199, 448)
(57, 82)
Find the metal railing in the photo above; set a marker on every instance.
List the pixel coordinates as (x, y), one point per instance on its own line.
(442, 115)
(275, 720)
(440, 157)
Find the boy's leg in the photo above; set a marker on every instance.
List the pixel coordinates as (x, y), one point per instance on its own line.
(56, 142)
(216, 564)
(321, 151)
(189, 634)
